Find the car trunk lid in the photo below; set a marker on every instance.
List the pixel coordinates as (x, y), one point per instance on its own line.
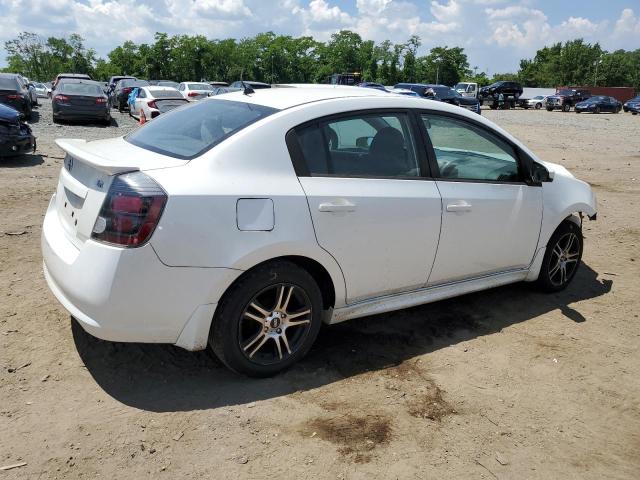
(164, 105)
(87, 173)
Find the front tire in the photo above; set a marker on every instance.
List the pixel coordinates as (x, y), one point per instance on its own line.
(268, 320)
(566, 107)
(561, 258)
(598, 110)
(538, 106)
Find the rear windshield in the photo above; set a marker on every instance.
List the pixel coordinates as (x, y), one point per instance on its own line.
(188, 132)
(168, 84)
(8, 84)
(199, 86)
(165, 93)
(80, 89)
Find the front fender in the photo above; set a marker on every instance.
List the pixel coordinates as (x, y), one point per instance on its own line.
(564, 196)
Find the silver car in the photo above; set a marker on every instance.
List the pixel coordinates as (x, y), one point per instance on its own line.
(42, 91)
(536, 102)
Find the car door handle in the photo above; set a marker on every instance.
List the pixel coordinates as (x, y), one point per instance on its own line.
(337, 206)
(459, 207)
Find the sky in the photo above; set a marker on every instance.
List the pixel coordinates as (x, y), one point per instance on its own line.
(495, 34)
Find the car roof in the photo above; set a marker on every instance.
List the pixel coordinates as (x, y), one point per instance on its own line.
(284, 96)
(9, 75)
(74, 75)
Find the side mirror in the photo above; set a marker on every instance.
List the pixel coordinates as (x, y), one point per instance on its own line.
(363, 142)
(540, 174)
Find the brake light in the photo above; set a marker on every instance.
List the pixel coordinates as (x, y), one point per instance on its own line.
(131, 211)
(152, 104)
(101, 100)
(126, 90)
(193, 94)
(61, 98)
(13, 97)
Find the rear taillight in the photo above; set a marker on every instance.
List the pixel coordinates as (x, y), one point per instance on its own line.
(131, 211)
(61, 98)
(126, 90)
(13, 97)
(101, 100)
(152, 104)
(193, 94)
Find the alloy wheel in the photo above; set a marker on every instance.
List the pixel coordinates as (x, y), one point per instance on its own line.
(274, 324)
(564, 259)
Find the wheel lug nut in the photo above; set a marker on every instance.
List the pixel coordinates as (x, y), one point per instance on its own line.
(279, 330)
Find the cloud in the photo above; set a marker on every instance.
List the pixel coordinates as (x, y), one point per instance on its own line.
(494, 33)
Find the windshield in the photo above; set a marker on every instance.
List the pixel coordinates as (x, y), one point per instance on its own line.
(199, 86)
(168, 84)
(595, 99)
(538, 97)
(566, 92)
(188, 132)
(444, 92)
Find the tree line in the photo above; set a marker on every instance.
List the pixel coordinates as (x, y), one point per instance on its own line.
(275, 58)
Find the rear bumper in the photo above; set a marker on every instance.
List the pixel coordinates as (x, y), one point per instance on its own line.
(128, 295)
(69, 112)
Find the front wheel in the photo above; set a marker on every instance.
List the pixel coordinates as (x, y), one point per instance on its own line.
(268, 320)
(538, 106)
(598, 110)
(566, 107)
(561, 258)
(549, 109)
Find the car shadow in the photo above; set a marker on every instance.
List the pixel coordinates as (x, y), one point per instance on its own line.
(21, 161)
(163, 378)
(35, 117)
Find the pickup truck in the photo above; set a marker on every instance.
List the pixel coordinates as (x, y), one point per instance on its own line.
(566, 98)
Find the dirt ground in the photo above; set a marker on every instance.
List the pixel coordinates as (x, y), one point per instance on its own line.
(504, 384)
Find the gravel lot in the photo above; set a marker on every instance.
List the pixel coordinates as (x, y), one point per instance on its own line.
(506, 384)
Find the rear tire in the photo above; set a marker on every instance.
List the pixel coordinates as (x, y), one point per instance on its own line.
(566, 107)
(248, 339)
(538, 106)
(598, 110)
(561, 257)
(549, 109)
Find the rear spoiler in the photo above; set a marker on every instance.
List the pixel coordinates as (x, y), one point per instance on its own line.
(74, 147)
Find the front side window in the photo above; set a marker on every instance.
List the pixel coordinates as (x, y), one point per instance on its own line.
(189, 132)
(467, 152)
(365, 145)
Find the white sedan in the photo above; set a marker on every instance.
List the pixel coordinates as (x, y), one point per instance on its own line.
(243, 222)
(152, 101)
(194, 90)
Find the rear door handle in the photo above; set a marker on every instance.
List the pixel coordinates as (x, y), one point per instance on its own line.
(337, 206)
(461, 206)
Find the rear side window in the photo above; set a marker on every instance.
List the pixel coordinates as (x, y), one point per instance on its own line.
(188, 132)
(366, 145)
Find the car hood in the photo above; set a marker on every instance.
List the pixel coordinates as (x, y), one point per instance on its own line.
(8, 114)
(466, 100)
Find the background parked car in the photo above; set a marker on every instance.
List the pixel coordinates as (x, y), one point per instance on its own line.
(599, 104)
(42, 90)
(218, 84)
(152, 101)
(632, 105)
(194, 90)
(14, 93)
(249, 83)
(33, 95)
(509, 89)
(404, 91)
(221, 90)
(80, 100)
(120, 94)
(164, 83)
(566, 98)
(16, 136)
(536, 102)
(442, 93)
(377, 86)
(60, 76)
